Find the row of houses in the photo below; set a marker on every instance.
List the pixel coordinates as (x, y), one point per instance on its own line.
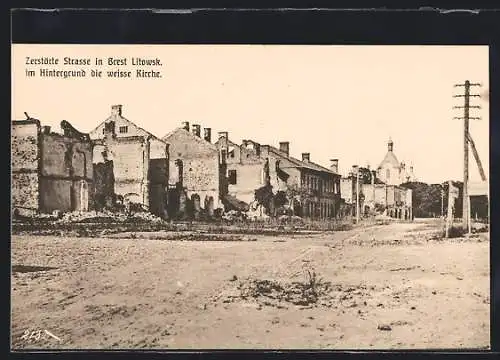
(185, 174)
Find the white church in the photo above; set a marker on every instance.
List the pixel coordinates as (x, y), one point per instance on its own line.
(393, 172)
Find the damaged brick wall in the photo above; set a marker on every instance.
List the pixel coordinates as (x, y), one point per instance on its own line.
(200, 165)
(248, 179)
(201, 177)
(158, 149)
(244, 169)
(158, 177)
(130, 168)
(128, 171)
(66, 173)
(103, 185)
(104, 182)
(158, 184)
(25, 162)
(55, 195)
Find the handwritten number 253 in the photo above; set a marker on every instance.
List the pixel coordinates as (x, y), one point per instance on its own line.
(32, 335)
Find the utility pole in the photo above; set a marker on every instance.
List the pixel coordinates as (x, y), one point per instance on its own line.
(467, 95)
(442, 201)
(357, 194)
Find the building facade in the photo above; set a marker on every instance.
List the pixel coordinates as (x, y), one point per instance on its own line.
(395, 201)
(195, 172)
(122, 127)
(393, 172)
(375, 196)
(311, 190)
(50, 171)
(131, 165)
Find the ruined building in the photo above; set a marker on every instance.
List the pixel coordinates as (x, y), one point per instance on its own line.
(393, 172)
(194, 178)
(376, 196)
(396, 201)
(305, 188)
(50, 171)
(131, 165)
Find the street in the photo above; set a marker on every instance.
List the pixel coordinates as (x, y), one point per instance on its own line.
(373, 287)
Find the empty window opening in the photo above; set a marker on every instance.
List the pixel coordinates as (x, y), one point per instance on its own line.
(232, 177)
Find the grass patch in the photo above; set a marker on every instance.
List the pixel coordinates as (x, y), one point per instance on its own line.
(28, 268)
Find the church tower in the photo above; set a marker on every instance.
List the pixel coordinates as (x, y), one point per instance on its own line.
(391, 171)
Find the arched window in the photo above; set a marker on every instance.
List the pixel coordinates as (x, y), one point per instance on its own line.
(388, 174)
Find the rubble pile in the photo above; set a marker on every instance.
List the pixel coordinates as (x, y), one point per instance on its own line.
(273, 293)
(91, 216)
(309, 294)
(233, 215)
(477, 227)
(291, 219)
(145, 217)
(256, 212)
(107, 217)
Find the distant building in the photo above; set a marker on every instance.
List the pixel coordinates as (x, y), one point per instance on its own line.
(195, 175)
(374, 195)
(396, 201)
(312, 190)
(393, 172)
(50, 171)
(131, 165)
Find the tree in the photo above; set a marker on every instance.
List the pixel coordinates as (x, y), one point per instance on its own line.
(429, 200)
(265, 197)
(479, 207)
(297, 195)
(365, 176)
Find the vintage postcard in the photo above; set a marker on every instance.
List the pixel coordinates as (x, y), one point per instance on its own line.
(250, 197)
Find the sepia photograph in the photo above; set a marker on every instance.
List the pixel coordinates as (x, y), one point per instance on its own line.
(196, 196)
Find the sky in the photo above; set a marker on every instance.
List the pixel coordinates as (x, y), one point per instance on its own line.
(340, 102)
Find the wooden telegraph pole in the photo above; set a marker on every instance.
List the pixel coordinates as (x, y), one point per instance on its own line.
(442, 201)
(356, 173)
(357, 195)
(467, 95)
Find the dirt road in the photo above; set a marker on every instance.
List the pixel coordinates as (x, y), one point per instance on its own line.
(379, 287)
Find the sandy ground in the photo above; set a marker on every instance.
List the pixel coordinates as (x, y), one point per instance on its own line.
(390, 287)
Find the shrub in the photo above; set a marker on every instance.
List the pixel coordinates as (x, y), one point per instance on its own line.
(456, 231)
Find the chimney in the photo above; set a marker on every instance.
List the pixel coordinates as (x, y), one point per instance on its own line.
(334, 165)
(390, 145)
(207, 135)
(116, 110)
(374, 175)
(223, 141)
(306, 157)
(224, 135)
(185, 125)
(285, 147)
(196, 130)
(355, 169)
(46, 130)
